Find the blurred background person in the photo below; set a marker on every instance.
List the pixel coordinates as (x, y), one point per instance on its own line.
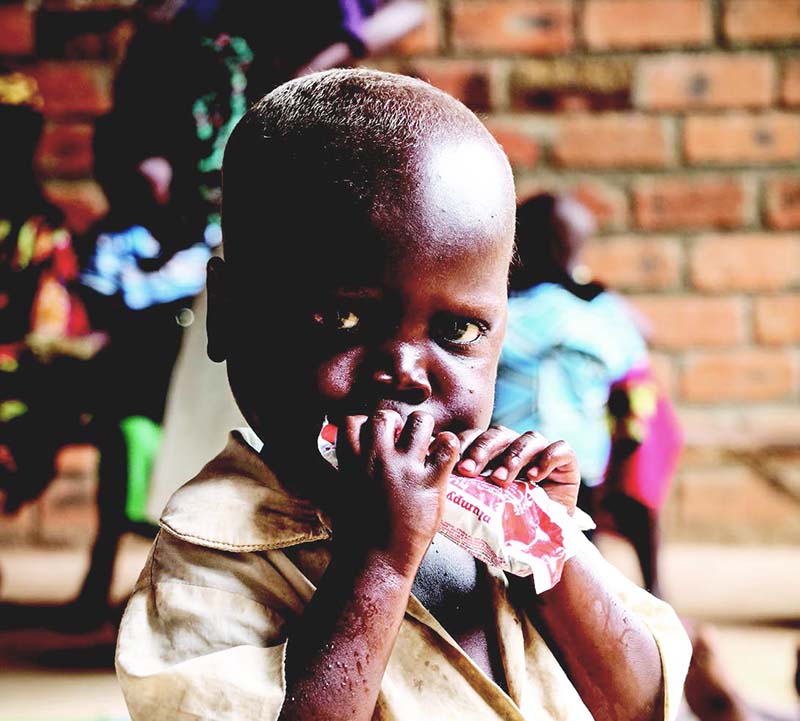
(575, 365)
(45, 337)
(571, 346)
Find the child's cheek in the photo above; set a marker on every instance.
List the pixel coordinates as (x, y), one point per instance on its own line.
(471, 396)
(337, 375)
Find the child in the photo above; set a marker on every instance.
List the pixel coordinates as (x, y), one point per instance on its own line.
(382, 309)
(573, 356)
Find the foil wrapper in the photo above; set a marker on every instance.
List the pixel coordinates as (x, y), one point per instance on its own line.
(519, 529)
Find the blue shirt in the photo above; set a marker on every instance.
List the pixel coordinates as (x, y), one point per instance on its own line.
(561, 355)
(114, 268)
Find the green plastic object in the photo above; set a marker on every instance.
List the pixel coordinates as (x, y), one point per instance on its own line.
(142, 439)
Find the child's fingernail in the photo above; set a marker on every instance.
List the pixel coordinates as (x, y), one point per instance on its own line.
(500, 473)
(467, 466)
(533, 472)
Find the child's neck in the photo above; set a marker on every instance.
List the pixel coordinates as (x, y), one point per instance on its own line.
(303, 473)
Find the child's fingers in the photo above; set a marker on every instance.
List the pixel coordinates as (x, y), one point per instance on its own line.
(442, 455)
(516, 456)
(349, 435)
(416, 434)
(557, 456)
(378, 434)
(487, 446)
(465, 438)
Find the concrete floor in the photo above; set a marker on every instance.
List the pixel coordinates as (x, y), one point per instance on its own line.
(748, 597)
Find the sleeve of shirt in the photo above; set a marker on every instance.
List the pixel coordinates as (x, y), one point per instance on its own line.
(204, 639)
(103, 269)
(674, 646)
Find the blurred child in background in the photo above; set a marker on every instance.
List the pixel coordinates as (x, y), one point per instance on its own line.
(570, 347)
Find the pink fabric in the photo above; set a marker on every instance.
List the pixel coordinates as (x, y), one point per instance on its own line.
(648, 472)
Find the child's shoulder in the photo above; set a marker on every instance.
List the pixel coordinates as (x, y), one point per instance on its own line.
(236, 503)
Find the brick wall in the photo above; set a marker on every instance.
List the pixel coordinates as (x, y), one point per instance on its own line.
(676, 121)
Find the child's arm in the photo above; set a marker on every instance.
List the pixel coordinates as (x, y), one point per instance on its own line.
(608, 652)
(337, 653)
(390, 22)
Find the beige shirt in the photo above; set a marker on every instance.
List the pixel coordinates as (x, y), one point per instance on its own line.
(205, 632)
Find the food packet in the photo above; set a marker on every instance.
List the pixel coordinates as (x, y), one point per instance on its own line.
(518, 529)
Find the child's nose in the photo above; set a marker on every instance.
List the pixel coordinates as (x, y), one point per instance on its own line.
(402, 374)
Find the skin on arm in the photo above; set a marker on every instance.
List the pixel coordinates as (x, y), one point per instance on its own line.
(389, 23)
(608, 653)
(337, 653)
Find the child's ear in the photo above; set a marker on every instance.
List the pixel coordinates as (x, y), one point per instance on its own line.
(218, 315)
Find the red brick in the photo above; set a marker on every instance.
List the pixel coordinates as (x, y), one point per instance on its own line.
(622, 24)
(745, 262)
(686, 321)
(738, 502)
(65, 150)
(424, 39)
(513, 26)
(608, 202)
(92, 35)
(519, 145)
(633, 262)
(783, 202)
(677, 82)
(739, 375)
(82, 201)
(710, 202)
(612, 141)
(740, 138)
(664, 370)
(468, 80)
(572, 83)
(742, 426)
(73, 87)
(790, 87)
(16, 30)
(762, 21)
(778, 319)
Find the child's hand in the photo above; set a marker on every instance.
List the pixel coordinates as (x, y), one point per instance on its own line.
(395, 480)
(529, 457)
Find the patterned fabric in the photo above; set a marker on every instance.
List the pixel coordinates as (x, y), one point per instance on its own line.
(44, 334)
(37, 266)
(646, 437)
(559, 360)
(217, 111)
(115, 268)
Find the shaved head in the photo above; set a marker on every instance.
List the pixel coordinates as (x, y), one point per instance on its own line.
(372, 187)
(332, 151)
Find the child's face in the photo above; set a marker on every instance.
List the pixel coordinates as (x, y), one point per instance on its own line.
(415, 325)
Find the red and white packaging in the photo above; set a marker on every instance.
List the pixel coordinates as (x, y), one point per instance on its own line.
(518, 529)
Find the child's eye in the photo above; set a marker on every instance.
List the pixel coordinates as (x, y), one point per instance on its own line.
(460, 330)
(338, 320)
(346, 320)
